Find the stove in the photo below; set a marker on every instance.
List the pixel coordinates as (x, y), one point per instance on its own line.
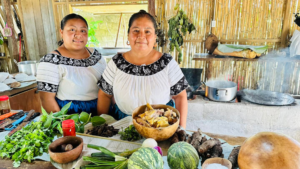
(238, 99)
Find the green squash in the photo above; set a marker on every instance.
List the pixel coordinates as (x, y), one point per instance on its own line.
(145, 158)
(182, 155)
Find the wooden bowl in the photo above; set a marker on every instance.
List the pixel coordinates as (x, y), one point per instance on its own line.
(217, 160)
(61, 157)
(159, 134)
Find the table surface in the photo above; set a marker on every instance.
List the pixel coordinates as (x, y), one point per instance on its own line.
(37, 164)
(16, 91)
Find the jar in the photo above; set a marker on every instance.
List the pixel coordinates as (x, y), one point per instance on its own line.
(68, 127)
(4, 105)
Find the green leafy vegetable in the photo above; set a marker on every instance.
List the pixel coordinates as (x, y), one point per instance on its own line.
(130, 134)
(27, 143)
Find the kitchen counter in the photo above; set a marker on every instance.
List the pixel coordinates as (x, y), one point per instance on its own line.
(25, 98)
(243, 118)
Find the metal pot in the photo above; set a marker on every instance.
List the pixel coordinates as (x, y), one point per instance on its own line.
(219, 90)
(28, 67)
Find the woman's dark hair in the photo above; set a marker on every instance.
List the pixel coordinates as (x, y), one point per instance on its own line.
(297, 19)
(66, 19)
(140, 14)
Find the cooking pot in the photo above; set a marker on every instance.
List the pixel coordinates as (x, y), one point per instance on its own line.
(220, 90)
(28, 67)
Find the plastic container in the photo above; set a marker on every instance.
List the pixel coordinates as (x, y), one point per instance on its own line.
(68, 127)
(4, 105)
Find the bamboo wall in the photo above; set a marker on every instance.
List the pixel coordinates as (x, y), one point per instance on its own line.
(251, 22)
(38, 27)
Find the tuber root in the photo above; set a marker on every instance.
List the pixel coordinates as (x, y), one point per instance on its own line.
(174, 138)
(233, 157)
(181, 135)
(208, 145)
(196, 139)
(216, 151)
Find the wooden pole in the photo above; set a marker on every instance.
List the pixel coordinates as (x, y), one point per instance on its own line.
(118, 30)
(285, 28)
(151, 7)
(12, 41)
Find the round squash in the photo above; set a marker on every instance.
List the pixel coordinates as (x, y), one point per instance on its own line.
(182, 155)
(145, 158)
(269, 150)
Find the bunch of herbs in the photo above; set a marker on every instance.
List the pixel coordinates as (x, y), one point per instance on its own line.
(130, 134)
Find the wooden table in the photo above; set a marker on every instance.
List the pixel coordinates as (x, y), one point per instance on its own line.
(25, 98)
(7, 164)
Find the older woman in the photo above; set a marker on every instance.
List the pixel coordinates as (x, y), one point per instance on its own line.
(71, 72)
(142, 75)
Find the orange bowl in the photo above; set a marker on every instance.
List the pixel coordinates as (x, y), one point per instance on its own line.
(161, 133)
(65, 157)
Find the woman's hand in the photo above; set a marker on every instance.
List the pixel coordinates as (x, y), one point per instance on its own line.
(182, 106)
(104, 101)
(48, 102)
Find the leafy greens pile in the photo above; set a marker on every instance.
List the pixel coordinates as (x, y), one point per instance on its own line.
(34, 139)
(130, 134)
(27, 143)
(179, 25)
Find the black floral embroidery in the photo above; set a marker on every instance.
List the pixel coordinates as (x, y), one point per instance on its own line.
(179, 86)
(47, 87)
(146, 70)
(58, 59)
(104, 86)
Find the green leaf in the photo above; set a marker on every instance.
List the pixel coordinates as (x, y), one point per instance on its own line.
(59, 128)
(44, 112)
(81, 129)
(48, 122)
(55, 124)
(75, 117)
(97, 120)
(64, 110)
(84, 117)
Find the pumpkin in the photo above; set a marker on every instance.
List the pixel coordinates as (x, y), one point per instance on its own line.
(269, 150)
(182, 155)
(145, 158)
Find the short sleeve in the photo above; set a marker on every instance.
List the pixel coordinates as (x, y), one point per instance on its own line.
(177, 81)
(48, 76)
(106, 80)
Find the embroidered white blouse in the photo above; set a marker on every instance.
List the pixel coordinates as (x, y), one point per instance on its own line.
(133, 85)
(71, 79)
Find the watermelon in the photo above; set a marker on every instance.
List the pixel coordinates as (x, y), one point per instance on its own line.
(182, 155)
(145, 158)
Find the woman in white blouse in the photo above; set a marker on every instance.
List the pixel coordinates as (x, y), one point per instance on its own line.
(142, 75)
(71, 72)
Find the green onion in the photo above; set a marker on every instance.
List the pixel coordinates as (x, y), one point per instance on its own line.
(107, 152)
(128, 153)
(101, 162)
(123, 165)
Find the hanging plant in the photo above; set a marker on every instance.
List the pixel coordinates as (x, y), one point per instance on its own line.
(161, 40)
(179, 25)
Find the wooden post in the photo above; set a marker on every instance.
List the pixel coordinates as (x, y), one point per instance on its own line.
(285, 27)
(12, 41)
(151, 7)
(118, 30)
